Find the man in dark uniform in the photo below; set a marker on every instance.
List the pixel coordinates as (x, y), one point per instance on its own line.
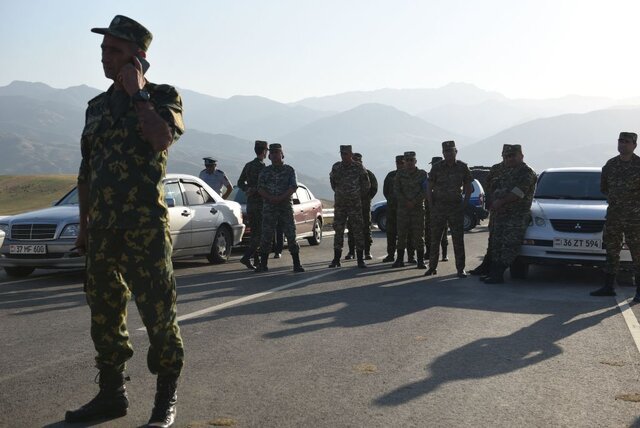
(366, 216)
(248, 182)
(410, 185)
(444, 243)
(510, 210)
(215, 178)
(392, 206)
(276, 183)
(448, 178)
(350, 182)
(124, 226)
(620, 182)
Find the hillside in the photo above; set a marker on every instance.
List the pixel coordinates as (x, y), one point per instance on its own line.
(29, 192)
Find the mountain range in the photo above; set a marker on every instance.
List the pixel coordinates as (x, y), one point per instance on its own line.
(40, 128)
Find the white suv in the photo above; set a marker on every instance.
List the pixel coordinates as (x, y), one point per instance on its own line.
(567, 219)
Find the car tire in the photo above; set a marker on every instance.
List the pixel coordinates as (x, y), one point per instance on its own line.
(19, 271)
(382, 221)
(519, 269)
(469, 221)
(221, 247)
(317, 233)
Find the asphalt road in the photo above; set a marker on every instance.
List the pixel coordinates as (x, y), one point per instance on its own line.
(348, 347)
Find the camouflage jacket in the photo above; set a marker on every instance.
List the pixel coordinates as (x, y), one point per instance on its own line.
(248, 180)
(123, 172)
(349, 181)
(277, 179)
(387, 189)
(410, 186)
(446, 181)
(620, 182)
(492, 181)
(521, 181)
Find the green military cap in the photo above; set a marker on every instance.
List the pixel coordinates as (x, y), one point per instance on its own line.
(508, 149)
(409, 155)
(346, 149)
(446, 145)
(209, 160)
(275, 147)
(435, 159)
(127, 29)
(630, 136)
(262, 145)
(400, 158)
(357, 156)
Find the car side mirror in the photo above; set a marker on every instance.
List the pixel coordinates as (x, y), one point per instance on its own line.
(170, 202)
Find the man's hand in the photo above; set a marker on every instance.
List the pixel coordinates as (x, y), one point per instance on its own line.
(131, 77)
(81, 242)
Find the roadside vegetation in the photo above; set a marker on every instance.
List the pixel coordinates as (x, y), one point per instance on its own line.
(20, 193)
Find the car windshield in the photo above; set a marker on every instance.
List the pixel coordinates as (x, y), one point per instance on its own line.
(70, 198)
(582, 185)
(238, 195)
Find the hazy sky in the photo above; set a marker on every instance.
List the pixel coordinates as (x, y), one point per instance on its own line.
(291, 49)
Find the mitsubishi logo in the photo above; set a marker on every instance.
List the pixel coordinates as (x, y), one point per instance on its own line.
(577, 226)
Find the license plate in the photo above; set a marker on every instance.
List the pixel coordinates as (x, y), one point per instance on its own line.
(27, 249)
(578, 244)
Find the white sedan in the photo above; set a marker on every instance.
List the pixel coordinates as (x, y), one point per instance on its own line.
(202, 224)
(567, 220)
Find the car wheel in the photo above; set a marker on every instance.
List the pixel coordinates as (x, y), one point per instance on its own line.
(382, 221)
(19, 271)
(221, 247)
(317, 233)
(519, 269)
(469, 221)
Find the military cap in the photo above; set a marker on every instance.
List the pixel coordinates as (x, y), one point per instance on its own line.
(446, 145)
(508, 149)
(275, 147)
(127, 29)
(435, 159)
(209, 160)
(409, 155)
(357, 156)
(262, 145)
(400, 158)
(346, 149)
(631, 136)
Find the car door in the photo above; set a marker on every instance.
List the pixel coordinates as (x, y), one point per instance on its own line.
(180, 216)
(307, 208)
(206, 218)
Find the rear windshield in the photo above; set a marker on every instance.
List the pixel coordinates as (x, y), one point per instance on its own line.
(583, 185)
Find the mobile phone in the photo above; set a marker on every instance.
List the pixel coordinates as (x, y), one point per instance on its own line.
(144, 63)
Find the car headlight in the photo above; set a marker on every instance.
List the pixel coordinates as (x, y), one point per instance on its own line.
(70, 231)
(5, 228)
(539, 221)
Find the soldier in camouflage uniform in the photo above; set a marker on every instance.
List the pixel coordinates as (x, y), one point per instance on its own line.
(276, 183)
(248, 182)
(491, 180)
(350, 183)
(446, 203)
(409, 186)
(444, 242)
(392, 207)
(620, 182)
(510, 212)
(124, 228)
(366, 216)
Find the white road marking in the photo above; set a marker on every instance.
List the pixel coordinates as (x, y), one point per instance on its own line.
(247, 298)
(629, 318)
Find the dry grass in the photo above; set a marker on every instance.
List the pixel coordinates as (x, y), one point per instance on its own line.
(20, 193)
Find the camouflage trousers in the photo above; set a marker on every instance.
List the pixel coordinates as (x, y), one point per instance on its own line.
(121, 262)
(445, 214)
(392, 232)
(272, 216)
(410, 227)
(506, 235)
(366, 228)
(444, 242)
(615, 228)
(254, 212)
(352, 213)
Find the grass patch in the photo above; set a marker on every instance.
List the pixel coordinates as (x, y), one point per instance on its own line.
(21, 193)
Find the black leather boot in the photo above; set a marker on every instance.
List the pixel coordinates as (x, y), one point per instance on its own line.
(497, 274)
(445, 258)
(400, 260)
(297, 267)
(607, 289)
(367, 252)
(164, 406)
(360, 255)
(264, 260)
(246, 260)
(336, 259)
(389, 258)
(350, 255)
(111, 401)
(420, 260)
(483, 268)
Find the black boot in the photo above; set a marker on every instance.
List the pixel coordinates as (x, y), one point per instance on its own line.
(607, 289)
(360, 255)
(389, 258)
(444, 253)
(483, 268)
(164, 406)
(420, 260)
(350, 255)
(367, 252)
(111, 401)
(497, 274)
(264, 260)
(297, 267)
(431, 271)
(411, 258)
(246, 260)
(336, 259)
(400, 260)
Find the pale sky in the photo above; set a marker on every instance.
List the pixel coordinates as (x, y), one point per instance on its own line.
(291, 49)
